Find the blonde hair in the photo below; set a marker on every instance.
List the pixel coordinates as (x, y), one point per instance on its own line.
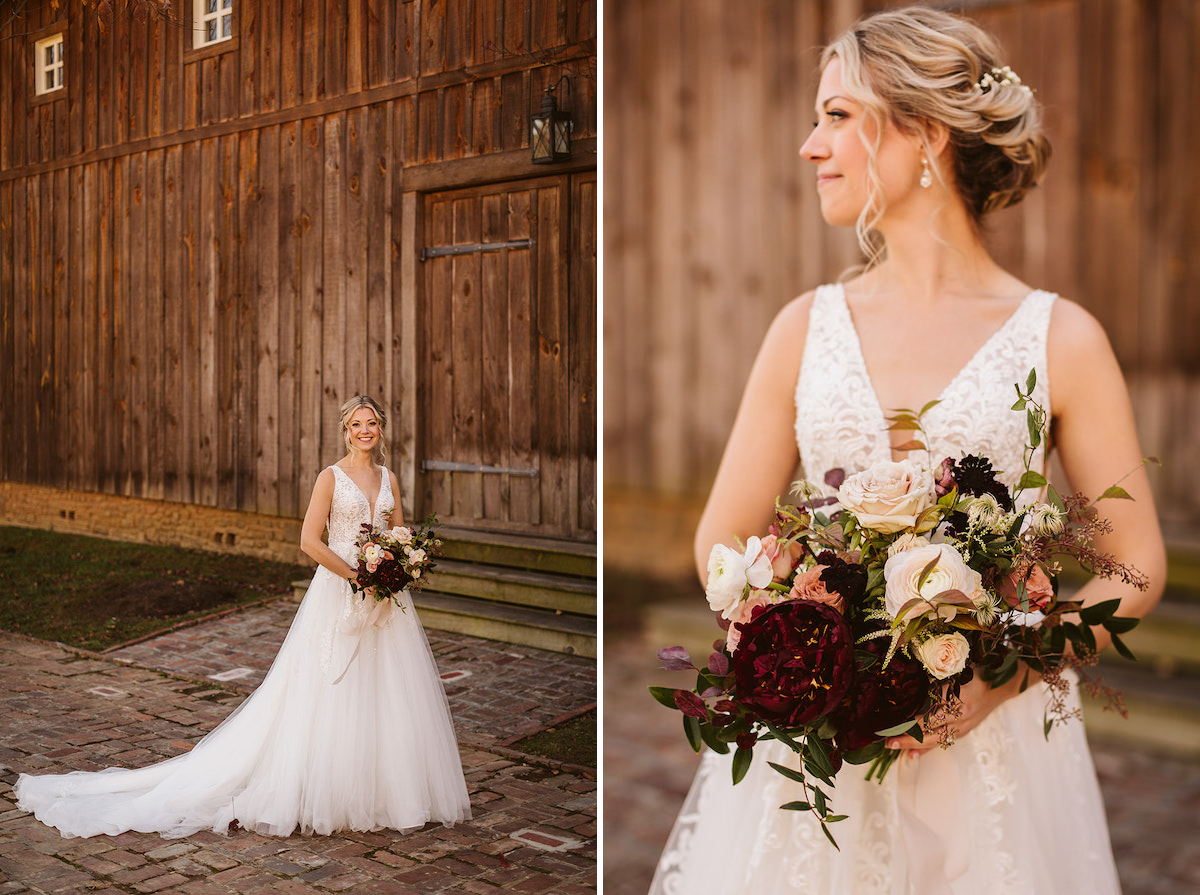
(918, 66)
(379, 454)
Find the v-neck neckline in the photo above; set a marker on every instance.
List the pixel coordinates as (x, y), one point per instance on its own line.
(866, 372)
(378, 491)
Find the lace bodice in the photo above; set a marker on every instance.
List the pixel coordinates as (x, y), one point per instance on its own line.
(350, 508)
(839, 422)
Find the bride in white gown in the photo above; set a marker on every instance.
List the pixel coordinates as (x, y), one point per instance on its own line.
(921, 131)
(350, 729)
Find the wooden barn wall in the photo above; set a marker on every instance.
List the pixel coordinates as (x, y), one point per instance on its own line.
(711, 221)
(202, 255)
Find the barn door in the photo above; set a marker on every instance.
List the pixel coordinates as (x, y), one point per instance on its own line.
(507, 355)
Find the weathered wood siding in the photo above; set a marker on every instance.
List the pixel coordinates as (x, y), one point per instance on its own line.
(712, 222)
(203, 253)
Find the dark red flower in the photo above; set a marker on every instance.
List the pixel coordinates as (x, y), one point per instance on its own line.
(848, 579)
(794, 662)
(881, 697)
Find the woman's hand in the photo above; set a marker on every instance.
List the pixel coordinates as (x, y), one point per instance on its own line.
(979, 699)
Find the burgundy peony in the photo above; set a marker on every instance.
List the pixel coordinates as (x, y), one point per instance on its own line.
(794, 663)
(881, 697)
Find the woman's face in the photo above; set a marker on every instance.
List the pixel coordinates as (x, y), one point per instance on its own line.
(363, 429)
(836, 147)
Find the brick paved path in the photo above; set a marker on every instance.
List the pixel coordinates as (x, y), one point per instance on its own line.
(1152, 802)
(534, 828)
(498, 692)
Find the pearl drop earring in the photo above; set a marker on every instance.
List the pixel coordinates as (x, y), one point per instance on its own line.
(926, 174)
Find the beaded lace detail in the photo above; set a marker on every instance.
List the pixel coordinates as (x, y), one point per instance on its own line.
(350, 508)
(839, 422)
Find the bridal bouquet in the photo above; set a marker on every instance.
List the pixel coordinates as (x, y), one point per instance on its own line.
(393, 559)
(847, 629)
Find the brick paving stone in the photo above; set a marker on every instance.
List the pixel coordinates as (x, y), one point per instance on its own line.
(1152, 802)
(40, 711)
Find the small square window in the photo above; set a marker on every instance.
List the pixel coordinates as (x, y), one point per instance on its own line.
(213, 22)
(51, 69)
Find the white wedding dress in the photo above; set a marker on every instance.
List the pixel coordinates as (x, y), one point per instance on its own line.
(350, 729)
(1004, 811)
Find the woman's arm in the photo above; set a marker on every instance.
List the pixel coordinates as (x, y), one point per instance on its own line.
(1093, 430)
(396, 517)
(314, 523)
(761, 456)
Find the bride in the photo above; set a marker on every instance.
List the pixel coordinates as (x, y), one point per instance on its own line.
(921, 131)
(350, 729)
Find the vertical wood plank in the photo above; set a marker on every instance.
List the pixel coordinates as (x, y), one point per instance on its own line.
(378, 244)
(312, 284)
(8, 306)
(583, 351)
(522, 301)
(498, 384)
(60, 370)
(207, 333)
(290, 309)
(333, 368)
(156, 368)
(407, 304)
(267, 304)
(466, 325)
(175, 404)
(291, 49)
(356, 325)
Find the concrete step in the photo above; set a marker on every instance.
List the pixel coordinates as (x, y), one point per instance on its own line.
(558, 631)
(519, 587)
(520, 552)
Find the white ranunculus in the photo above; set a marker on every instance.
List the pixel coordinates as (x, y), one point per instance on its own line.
(372, 553)
(944, 655)
(417, 557)
(730, 571)
(903, 571)
(889, 496)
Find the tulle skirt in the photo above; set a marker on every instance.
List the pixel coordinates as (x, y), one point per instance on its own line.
(350, 729)
(1004, 811)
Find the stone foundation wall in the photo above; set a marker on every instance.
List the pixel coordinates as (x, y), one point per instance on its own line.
(151, 521)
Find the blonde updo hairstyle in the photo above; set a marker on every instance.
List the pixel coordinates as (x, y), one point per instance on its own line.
(918, 66)
(379, 454)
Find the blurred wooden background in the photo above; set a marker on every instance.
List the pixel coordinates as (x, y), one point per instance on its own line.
(711, 221)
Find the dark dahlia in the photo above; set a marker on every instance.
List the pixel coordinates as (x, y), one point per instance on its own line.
(881, 697)
(847, 579)
(794, 662)
(975, 476)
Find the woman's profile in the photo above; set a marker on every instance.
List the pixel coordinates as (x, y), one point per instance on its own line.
(921, 131)
(349, 730)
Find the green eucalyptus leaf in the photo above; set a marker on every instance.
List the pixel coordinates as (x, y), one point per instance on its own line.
(1035, 429)
(691, 729)
(665, 695)
(1120, 647)
(1115, 492)
(711, 737)
(898, 729)
(1098, 613)
(1120, 624)
(1031, 381)
(796, 806)
(1031, 479)
(829, 836)
(790, 773)
(741, 763)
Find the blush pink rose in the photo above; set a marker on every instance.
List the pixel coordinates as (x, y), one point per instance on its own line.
(784, 558)
(944, 655)
(1037, 584)
(743, 611)
(809, 586)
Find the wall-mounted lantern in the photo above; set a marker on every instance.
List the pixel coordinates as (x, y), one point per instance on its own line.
(550, 130)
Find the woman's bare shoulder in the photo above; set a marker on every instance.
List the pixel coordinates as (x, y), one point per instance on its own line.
(1076, 339)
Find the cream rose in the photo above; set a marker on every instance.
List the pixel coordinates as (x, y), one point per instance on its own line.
(730, 571)
(889, 496)
(902, 576)
(944, 655)
(403, 534)
(417, 557)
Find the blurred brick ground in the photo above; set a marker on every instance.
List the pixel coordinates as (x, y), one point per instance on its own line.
(50, 720)
(1153, 803)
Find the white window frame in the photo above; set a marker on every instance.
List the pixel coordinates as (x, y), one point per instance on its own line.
(55, 69)
(221, 20)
